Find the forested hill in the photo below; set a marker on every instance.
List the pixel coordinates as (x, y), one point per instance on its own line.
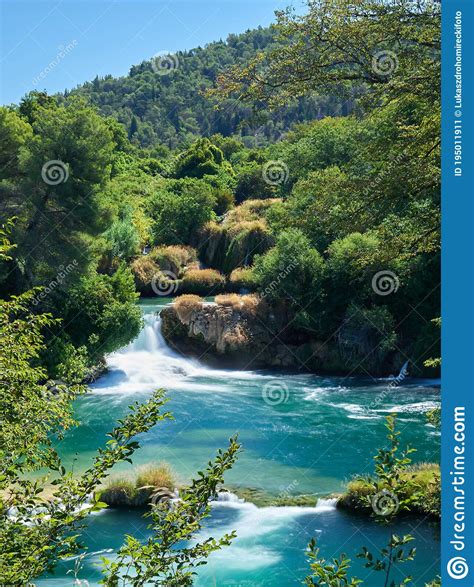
(160, 101)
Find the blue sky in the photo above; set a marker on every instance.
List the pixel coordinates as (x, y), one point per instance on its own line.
(85, 38)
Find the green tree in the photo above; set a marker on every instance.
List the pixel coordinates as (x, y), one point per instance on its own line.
(292, 271)
(32, 105)
(383, 47)
(122, 238)
(251, 184)
(14, 133)
(65, 166)
(179, 209)
(202, 158)
(101, 312)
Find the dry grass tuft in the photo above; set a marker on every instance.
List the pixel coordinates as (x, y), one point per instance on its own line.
(144, 269)
(136, 489)
(249, 210)
(251, 227)
(156, 476)
(173, 258)
(203, 281)
(248, 304)
(185, 305)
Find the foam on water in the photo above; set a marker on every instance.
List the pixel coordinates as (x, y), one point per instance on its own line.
(148, 362)
(416, 408)
(253, 523)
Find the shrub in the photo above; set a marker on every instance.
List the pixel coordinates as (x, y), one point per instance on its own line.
(211, 229)
(259, 206)
(428, 477)
(232, 300)
(251, 184)
(173, 258)
(202, 158)
(243, 234)
(224, 201)
(412, 488)
(350, 266)
(122, 239)
(212, 244)
(243, 278)
(144, 269)
(424, 481)
(367, 337)
(101, 312)
(185, 305)
(292, 270)
(250, 210)
(135, 490)
(184, 254)
(245, 240)
(202, 282)
(122, 491)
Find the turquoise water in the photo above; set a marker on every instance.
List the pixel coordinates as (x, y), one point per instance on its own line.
(300, 434)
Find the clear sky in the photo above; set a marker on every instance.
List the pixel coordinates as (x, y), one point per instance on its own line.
(85, 38)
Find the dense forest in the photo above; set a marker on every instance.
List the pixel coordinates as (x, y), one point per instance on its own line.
(298, 168)
(162, 102)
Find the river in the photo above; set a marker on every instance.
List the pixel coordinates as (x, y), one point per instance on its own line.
(301, 433)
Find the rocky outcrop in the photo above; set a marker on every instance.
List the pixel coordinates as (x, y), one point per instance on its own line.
(262, 337)
(238, 338)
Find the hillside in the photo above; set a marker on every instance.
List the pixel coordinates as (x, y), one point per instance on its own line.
(160, 101)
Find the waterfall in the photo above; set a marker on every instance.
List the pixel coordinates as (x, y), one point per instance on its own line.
(150, 338)
(228, 497)
(326, 504)
(148, 363)
(403, 371)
